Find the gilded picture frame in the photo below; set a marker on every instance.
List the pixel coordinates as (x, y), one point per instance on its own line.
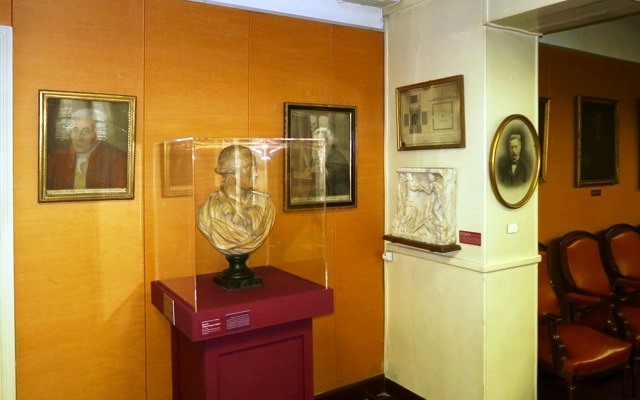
(514, 162)
(337, 126)
(544, 107)
(86, 146)
(430, 115)
(596, 141)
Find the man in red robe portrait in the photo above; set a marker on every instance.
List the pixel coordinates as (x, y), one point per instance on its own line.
(87, 162)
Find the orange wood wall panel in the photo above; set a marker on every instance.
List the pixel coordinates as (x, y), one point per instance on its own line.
(78, 265)
(83, 268)
(292, 60)
(565, 74)
(218, 72)
(359, 81)
(5, 12)
(196, 81)
(280, 69)
(195, 70)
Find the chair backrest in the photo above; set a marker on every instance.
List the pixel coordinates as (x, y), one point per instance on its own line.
(547, 300)
(622, 249)
(581, 262)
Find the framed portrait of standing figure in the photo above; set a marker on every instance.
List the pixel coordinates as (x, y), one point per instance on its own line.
(514, 162)
(87, 145)
(430, 115)
(337, 126)
(596, 142)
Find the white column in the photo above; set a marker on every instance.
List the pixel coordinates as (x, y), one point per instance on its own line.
(7, 319)
(469, 315)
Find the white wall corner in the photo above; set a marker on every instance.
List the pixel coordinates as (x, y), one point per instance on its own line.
(7, 316)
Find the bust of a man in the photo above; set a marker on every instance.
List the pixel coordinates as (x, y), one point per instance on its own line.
(236, 219)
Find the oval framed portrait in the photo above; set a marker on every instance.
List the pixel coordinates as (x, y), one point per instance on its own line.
(514, 162)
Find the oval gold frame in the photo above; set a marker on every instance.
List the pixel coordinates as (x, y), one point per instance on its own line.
(533, 137)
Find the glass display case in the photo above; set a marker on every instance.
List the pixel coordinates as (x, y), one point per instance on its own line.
(240, 279)
(218, 218)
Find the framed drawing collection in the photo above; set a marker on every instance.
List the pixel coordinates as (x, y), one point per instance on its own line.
(430, 115)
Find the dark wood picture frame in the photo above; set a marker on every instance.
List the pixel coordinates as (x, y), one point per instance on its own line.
(430, 115)
(337, 125)
(86, 146)
(596, 141)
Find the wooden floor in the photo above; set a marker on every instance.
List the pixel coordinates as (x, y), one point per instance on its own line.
(552, 388)
(549, 388)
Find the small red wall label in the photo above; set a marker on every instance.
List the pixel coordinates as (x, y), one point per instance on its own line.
(473, 238)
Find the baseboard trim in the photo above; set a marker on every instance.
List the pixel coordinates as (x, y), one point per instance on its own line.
(357, 391)
(368, 389)
(399, 392)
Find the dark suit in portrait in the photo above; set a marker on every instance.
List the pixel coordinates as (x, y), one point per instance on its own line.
(338, 182)
(514, 173)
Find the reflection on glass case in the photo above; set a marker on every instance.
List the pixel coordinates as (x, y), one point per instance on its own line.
(218, 215)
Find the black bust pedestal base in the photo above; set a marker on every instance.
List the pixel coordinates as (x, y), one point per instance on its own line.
(238, 276)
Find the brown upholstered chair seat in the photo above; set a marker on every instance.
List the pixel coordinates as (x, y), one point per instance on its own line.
(572, 350)
(589, 350)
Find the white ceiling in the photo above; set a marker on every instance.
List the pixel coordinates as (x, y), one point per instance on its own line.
(358, 13)
(373, 3)
(571, 14)
(561, 16)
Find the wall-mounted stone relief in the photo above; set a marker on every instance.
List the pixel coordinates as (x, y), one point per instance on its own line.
(426, 205)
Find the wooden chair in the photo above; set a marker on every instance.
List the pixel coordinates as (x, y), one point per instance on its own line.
(584, 274)
(621, 253)
(586, 286)
(573, 351)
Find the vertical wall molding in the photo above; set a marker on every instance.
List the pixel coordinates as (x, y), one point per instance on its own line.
(7, 316)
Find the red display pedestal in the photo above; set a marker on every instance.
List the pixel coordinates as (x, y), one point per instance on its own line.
(239, 345)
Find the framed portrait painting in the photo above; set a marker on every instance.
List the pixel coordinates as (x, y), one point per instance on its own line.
(596, 142)
(544, 105)
(514, 162)
(430, 115)
(337, 126)
(86, 149)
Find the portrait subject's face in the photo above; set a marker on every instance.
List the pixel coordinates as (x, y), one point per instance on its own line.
(248, 173)
(83, 135)
(238, 167)
(326, 134)
(515, 147)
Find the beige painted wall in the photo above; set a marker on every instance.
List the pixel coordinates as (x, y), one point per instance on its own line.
(451, 316)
